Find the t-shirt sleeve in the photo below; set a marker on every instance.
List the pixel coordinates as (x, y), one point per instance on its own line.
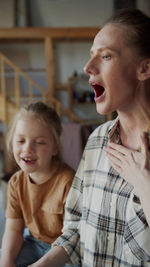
(68, 182)
(13, 209)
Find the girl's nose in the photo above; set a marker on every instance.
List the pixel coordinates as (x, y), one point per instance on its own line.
(91, 67)
(28, 147)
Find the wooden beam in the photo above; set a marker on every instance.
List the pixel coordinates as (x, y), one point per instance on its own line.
(49, 65)
(35, 33)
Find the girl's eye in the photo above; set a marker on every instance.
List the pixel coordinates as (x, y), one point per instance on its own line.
(20, 141)
(40, 143)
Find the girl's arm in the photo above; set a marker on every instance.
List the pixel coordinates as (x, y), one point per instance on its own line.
(57, 257)
(11, 242)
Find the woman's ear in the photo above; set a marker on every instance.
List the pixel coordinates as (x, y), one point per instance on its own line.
(143, 72)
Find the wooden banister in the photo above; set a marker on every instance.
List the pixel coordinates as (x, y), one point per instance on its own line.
(16, 95)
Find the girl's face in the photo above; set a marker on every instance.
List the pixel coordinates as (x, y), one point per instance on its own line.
(113, 70)
(33, 146)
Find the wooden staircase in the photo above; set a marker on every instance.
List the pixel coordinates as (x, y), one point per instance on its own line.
(11, 99)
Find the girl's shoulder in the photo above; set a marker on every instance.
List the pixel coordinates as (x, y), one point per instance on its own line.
(65, 168)
(17, 177)
(65, 172)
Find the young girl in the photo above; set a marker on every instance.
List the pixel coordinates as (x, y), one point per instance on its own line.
(38, 191)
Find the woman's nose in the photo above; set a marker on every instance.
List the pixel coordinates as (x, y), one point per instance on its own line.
(91, 67)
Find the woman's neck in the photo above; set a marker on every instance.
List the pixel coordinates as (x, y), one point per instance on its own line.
(135, 118)
(132, 125)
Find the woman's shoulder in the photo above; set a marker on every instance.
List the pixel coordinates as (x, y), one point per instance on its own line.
(103, 129)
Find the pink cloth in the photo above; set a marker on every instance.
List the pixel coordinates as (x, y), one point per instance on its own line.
(73, 140)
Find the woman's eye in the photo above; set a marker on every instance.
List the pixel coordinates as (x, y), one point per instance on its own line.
(106, 57)
(20, 141)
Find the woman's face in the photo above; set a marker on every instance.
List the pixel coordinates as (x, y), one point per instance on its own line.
(113, 70)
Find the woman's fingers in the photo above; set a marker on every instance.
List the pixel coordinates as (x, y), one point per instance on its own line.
(121, 155)
(115, 158)
(118, 152)
(119, 148)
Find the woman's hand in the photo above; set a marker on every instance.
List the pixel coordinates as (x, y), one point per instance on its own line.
(134, 167)
(130, 164)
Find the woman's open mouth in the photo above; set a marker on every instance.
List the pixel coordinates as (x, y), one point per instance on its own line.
(99, 91)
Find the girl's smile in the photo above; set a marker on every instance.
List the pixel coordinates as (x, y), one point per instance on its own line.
(28, 160)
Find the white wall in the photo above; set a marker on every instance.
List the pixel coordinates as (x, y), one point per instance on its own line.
(6, 13)
(70, 13)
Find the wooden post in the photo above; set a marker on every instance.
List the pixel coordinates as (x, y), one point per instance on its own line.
(49, 65)
(4, 112)
(30, 92)
(3, 92)
(17, 90)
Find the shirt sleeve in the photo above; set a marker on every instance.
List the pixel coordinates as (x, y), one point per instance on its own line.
(13, 209)
(137, 231)
(70, 239)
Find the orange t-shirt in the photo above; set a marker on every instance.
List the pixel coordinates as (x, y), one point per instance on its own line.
(40, 206)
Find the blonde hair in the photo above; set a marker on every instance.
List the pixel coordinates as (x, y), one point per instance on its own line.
(43, 112)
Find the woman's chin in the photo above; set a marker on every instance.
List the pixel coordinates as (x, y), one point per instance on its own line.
(101, 110)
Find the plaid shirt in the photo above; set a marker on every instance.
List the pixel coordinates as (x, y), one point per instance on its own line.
(104, 225)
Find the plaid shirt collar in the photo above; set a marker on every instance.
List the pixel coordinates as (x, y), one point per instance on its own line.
(114, 133)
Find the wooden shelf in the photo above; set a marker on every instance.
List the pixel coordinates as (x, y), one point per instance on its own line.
(40, 33)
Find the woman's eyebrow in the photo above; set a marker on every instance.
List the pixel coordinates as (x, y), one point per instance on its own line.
(102, 49)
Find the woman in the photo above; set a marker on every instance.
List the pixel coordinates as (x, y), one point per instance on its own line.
(107, 209)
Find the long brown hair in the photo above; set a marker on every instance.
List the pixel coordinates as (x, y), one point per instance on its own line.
(137, 26)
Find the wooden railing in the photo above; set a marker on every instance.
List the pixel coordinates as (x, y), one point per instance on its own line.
(12, 98)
